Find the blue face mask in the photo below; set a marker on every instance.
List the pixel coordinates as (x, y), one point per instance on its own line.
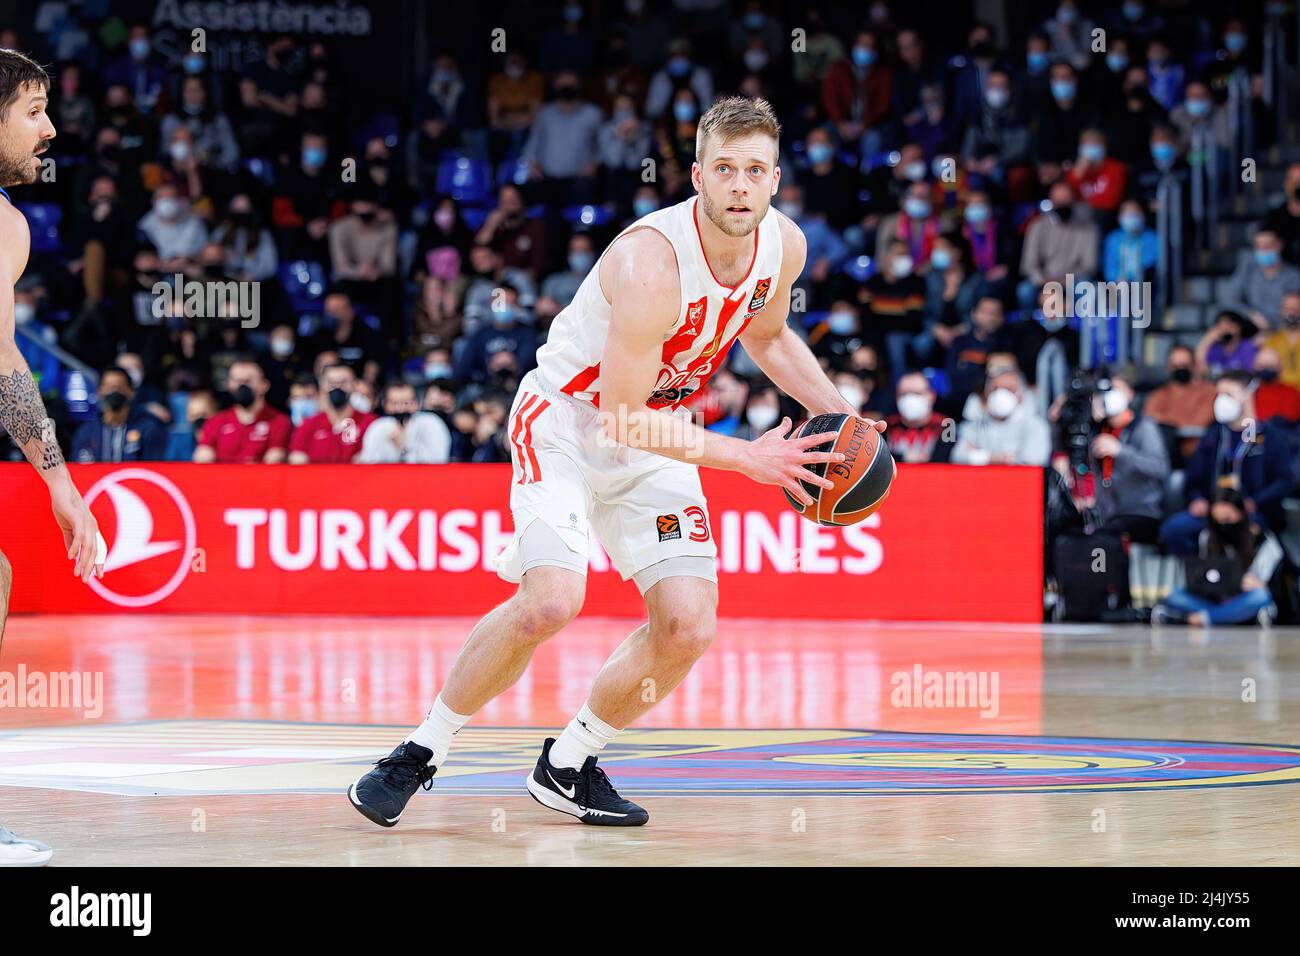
(679, 66)
(1133, 11)
(916, 208)
(1162, 151)
(139, 49)
(1092, 152)
(1131, 223)
(581, 261)
(864, 56)
(1117, 61)
(1036, 61)
(977, 214)
(684, 111)
(1198, 108)
(754, 20)
(313, 158)
(941, 259)
(1063, 89)
(644, 207)
(193, 63)
(1266, 258)
(1235, 42)
(842, 323)
(820, 153)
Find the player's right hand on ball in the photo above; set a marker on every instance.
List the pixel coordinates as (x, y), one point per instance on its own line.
(772, 459)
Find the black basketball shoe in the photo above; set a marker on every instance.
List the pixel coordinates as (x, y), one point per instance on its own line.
(381, 795)
(586, 794)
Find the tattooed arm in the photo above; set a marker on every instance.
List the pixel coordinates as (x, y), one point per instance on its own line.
(22, 413)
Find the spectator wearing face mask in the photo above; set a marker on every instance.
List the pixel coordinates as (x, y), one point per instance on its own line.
(827, 250)
(335, 433)
(304, 399)
(434, 320)
(1058, 243)
(1238, 452)
(862, 390)
(1098, 179)
(563, 149)
(559, 288)
(1167, 78)
(173, 229)
(508, 331)
(894, 307)
(210, 134)
(1228, 345)
(405, 434)
(827, 181)
(1129, 465)
(284, 364)
(363, 251)
(680, 72)
(514, 96)
(1060, 122)
(1005, 428)
(1200, 122)
(1132, 249)
(834, 339)
(856, 90)
(139, 71)
(998, 132)
(1284, 219)
(1274, 398)
(489, 273)
(917, 433)
(247, 248)
(1070, 34)
(251, 430)
(1260, 282)
(121, 432)
(305, 199)
(917, 225)
(952, 287)
(1286, 340)
(762, 410)
(1185, 402)
(105, 236)
(1254, 551)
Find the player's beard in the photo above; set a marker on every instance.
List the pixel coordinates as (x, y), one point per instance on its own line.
(731, 227)
(17, 170)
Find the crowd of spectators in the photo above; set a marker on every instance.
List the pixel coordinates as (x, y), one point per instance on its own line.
(941, 184)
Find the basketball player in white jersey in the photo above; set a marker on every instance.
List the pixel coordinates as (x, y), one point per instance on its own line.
(596, 448)
(25, 131)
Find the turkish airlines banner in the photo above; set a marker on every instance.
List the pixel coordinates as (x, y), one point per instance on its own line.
(952, 543)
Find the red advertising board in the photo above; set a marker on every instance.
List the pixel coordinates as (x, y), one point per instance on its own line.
(952, 543)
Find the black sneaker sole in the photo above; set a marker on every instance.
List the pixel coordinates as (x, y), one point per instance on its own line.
(371, 815)
(553, 801)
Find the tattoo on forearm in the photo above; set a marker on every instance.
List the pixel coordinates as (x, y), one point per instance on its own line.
(22, 413)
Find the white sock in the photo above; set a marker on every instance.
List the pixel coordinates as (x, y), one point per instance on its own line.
(585, 737)
(438, 728)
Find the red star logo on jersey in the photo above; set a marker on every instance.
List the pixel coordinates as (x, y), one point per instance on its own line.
(691, 328)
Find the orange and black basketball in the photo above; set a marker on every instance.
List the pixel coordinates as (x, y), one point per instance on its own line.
(862, 480)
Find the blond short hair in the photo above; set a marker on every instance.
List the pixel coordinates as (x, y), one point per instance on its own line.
(737, 116)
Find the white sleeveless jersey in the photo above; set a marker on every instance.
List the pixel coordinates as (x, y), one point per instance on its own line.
(711, 315)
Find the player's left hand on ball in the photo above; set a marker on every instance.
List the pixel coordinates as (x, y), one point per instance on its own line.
(879, 426)
(773, 459)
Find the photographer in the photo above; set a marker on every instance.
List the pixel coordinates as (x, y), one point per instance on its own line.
(1115, 460)
(1228, 582)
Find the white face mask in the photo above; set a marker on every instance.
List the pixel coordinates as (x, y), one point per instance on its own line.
(903, 266)
(762, 417)
(360, 403)
(167, 208)
(915, 407)
(24, 312)
(1002, 402)
(853, 395)
(1226, 409)
(1114, 403)
(281, 348)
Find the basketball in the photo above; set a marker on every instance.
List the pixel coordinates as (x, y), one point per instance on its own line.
(862, 480)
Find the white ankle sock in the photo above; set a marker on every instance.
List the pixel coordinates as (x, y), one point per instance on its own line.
(437, 730)
(585, 737)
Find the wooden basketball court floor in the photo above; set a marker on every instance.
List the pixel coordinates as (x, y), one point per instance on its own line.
(215, 740)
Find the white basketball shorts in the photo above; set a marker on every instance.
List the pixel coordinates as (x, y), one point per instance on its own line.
(644, 508)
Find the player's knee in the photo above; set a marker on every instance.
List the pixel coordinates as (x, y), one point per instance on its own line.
(685, 634)
(540, 616)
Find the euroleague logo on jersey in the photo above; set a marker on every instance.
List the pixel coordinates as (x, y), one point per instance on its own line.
(150, 530)
(759, 299)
